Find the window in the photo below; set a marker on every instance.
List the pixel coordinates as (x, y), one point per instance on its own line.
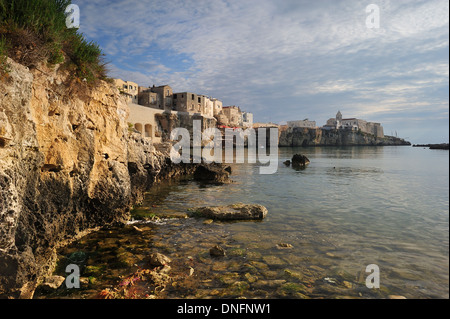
(199, 99)
(174, 96)
(168, 93)
(192, 96)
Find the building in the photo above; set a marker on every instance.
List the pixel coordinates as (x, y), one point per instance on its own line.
(302, 123)
(354, 124)
(247, 119)
(217, 106)
(129, 89)
(159, 97)
(188, 102)
(207, 106)
(234, 115)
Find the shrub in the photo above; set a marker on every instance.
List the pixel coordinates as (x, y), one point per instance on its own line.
(37, 32)
(3, 55)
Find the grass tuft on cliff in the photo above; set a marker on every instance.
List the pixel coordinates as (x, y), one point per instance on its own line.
(35, 31)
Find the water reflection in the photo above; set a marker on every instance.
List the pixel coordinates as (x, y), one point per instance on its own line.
(349, 208)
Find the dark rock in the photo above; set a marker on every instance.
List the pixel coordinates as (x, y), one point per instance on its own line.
(232, 212)
(217, 251)
(157, 260)
(287, 163)
(299, 160)
(214, 173)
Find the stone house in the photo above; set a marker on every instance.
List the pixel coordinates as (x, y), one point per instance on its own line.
(159, 97)
(234, 115)
(247, 119)
(129, 89)
(188, 102)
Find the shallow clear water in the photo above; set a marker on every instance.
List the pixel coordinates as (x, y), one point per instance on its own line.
(350, 207)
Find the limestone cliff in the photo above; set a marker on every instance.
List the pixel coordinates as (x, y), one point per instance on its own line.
(319, 137)
(68, 164)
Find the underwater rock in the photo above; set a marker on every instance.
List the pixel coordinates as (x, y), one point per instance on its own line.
(232, 212)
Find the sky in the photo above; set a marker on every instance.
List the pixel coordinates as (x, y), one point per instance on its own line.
(288, 60)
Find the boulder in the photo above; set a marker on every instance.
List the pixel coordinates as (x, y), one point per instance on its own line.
(299, 160)
(214, 173)
(157, 260)
(237, 211)
(217, 251)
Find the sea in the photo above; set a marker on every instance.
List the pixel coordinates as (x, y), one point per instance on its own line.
(357, 222)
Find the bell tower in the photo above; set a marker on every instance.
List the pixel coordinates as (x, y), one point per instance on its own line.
(338, 119)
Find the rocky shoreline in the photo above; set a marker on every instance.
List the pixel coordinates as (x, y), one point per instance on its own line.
(305, 137)
(69, 165)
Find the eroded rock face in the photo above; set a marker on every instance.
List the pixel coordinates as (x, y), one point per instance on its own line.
(68, 165)
(232, 212)
(63, 168)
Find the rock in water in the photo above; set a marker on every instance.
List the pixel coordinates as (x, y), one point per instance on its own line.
(232, 212)
(214, 173)
(157, 260)
(299, 160)
(217, 251)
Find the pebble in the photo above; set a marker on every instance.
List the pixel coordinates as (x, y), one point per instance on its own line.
(284, 246)
(396, 297)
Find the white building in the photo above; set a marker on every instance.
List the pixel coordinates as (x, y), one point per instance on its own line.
(247, 119)
(129, 89)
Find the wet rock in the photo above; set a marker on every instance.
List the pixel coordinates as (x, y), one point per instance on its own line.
(214, 173)
(273, 261)
(157, 260)
(217, 251)
(293, 274)
(261, 284)
(229, 278)
(52, 283)
(251, 278)
(299, 160)
(284, 246)
(347, 284)
(237, 211)
(396, 297)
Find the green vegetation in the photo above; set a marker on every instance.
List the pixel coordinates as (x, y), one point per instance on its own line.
(3, 54)
(36, 31)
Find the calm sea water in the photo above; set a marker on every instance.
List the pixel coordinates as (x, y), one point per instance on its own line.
(349, 208)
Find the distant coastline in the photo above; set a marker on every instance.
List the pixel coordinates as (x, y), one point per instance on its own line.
(441, 146)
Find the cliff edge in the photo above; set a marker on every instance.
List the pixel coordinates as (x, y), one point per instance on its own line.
(69, 164)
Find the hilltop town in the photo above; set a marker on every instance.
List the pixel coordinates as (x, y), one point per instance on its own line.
(156, 110)
(146, 103)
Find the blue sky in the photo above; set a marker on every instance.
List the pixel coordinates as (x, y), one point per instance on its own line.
(288, 59)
